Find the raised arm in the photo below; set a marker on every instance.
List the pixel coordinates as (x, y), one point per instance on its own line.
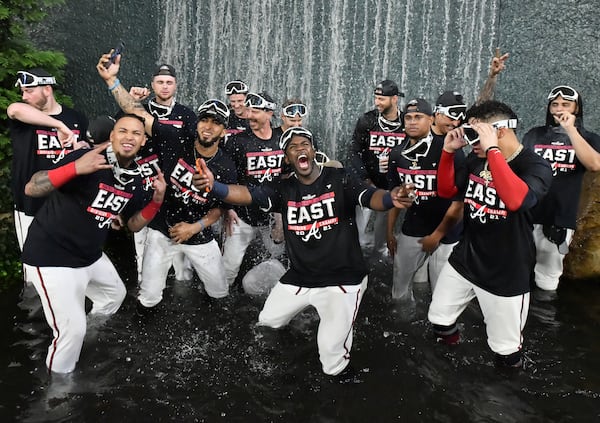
(497, 65)
(125, 100)
(232, 194)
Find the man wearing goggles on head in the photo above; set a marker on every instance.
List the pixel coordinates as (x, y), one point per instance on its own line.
(449, 111)
(430, 228)
(42, 133)
(258, 159)
(571, 150)
(236, 94)
(376, 133)
(177, 123)
(500, 183)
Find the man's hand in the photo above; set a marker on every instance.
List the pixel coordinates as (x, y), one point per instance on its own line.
(565, 119)
(392, 245)
(159, 185)
(488, 135)
(454, 140)
(93, 160)
(231, 218)
(403, 196)
(112, 71)
(430, 243)
(65, 136)
(183, 231)
(204, 178)
(498, 63)
(139, 93)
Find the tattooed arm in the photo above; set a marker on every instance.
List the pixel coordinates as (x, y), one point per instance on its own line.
(126, 101)
(44, 182)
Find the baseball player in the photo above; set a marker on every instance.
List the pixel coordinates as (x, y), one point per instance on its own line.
(494, 260)
(571, 150)
(63, 251)
(183, 224)
(429, 229)
(327, 270)
(42, 133)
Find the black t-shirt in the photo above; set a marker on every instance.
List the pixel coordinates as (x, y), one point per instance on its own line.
(38, 148)
(183, 202)
(235, 126)
(497, 252)
(319, 226)
(369, 141)
(71, 227)
(559, 207)
(428, 210)
(257, 161)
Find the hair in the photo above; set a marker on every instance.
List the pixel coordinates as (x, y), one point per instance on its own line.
(132, 115)
(290, 101)
(489, 110)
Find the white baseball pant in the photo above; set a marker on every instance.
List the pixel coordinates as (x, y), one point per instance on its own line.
(62, 291)
(181, 265)
(548, 260)
(236, 244)
(160, 250)
(504, 317)
(337, 307)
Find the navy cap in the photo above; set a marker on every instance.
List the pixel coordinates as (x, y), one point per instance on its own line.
(418, 105)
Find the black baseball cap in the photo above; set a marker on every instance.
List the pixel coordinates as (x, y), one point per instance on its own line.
(99, 129)
(165, 69)
(387, 88)
(418, 105)
(214, 109)
(450, 98)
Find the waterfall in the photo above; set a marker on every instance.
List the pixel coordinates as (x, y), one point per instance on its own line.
(329, 53)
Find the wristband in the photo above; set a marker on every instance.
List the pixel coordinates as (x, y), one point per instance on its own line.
(490, 148)
(387, 201)
(150, 210)
(115, 85)
(61, 175)
(220, 190)
(202, 227)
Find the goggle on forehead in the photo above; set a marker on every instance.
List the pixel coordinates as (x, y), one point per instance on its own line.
(565, 92)
(255, 101)
(472, 137)
(457, 112)
(287, 136)
(217, 105)
(236, 87)
(294, 109)
(26, 79)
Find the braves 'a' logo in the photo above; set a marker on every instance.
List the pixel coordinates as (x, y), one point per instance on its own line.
(60, 156)
(314, 231)
(267, 176)
(479, 213)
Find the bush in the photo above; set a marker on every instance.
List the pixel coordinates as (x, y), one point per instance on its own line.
(16, 53)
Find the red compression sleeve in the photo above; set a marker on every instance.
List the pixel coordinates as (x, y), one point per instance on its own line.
(510, 188)
(61, 175)
(446, 185)
(150, 210)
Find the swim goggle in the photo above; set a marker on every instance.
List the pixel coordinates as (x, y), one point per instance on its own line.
(236, 87)
(294, 109)
(160, 110)
(256, 101)
(565, 92)
(472, 137)
(389, 125)
(287, 136)
(456, 112)
(418, 150)
(214, 105)
(26, 79)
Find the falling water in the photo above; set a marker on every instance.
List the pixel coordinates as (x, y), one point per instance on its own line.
(330, 53)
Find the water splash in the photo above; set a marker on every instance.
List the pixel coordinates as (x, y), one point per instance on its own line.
(331, 54)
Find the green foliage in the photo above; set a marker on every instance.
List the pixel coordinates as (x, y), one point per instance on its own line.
(17, 52)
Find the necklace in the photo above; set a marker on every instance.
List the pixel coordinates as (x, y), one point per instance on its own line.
(206, 159)
(486, 174)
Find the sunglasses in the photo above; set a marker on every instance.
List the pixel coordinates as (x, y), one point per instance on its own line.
(26, 79)
(236, 87)
(294, 109)
(217, 105)
(420, 149)
(472, 137)
(457, 112)
(565, 92)
(287, 136)
(389, 125)
(255, 101)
